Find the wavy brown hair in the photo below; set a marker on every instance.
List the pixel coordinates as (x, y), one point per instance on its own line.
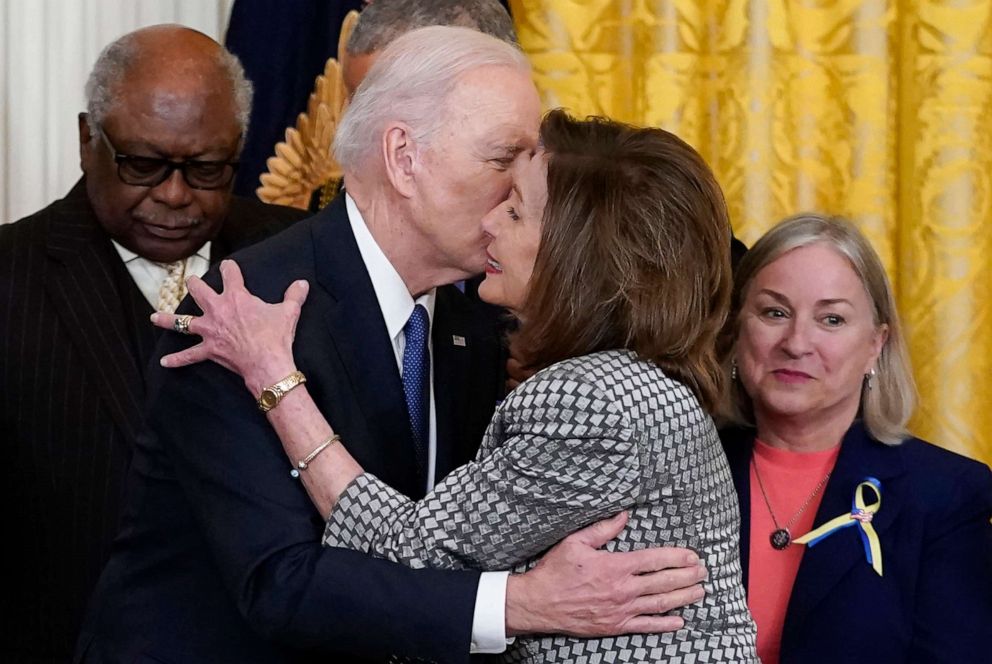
(634, 253)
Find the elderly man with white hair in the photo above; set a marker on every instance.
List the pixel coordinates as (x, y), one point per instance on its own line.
(220, 558)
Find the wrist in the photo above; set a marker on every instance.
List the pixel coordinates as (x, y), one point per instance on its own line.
(520, 605)
(267, 373)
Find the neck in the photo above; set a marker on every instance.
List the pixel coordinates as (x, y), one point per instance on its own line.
(800, 434)
(408, 251)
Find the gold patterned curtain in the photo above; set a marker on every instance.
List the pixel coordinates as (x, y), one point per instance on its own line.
(877, 110)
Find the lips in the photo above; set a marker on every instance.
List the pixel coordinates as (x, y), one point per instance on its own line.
(492, 265)
(175, 232)
(791, 377)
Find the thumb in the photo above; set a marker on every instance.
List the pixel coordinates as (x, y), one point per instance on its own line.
(297, 292)
(601, 532)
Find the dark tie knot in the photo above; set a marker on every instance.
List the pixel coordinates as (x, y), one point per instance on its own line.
(417, 325)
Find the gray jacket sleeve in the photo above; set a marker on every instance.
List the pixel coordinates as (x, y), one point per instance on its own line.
(558, 455)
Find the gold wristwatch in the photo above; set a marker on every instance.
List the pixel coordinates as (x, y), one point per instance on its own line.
(272, 395)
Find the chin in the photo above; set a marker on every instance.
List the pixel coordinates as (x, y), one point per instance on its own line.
(787, 407)
(489, 293)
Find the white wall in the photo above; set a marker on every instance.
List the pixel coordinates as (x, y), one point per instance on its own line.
(47, 48)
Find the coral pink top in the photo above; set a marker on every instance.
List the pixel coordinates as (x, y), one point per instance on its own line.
(789, 479)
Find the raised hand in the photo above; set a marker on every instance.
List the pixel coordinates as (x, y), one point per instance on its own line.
(238, 330)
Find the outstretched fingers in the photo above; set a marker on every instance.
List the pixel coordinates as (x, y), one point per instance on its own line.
(297, 292)
(202, 293)
(230, 275)
(191, 355)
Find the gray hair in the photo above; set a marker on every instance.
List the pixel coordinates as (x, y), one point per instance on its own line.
(383, 21)
(410, 82)
(119, 56)
(886, 407)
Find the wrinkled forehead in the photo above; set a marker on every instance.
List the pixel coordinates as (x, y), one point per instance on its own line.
(498, 102)
(178, 120)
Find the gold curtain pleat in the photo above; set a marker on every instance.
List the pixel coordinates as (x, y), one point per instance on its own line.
(877, 110)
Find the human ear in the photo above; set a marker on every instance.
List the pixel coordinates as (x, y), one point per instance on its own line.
(86, 144)
(879, 337)
(399, 152)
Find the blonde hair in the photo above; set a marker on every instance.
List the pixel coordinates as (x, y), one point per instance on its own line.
(887, 407)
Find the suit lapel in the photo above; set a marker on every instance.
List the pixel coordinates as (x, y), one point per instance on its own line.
(739, 446)
(454, 343)
(84, 290)
(355, 326)
(824, 565)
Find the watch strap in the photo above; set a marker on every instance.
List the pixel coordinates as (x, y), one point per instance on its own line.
(272, 395)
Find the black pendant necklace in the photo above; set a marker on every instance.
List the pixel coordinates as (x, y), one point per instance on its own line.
(781, 537)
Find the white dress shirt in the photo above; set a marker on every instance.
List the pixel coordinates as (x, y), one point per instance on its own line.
(149, 275)
(396, 304)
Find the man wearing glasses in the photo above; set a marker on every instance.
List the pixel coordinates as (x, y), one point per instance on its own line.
(167, 108)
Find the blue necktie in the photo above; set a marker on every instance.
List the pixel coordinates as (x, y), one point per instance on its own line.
(416, 383)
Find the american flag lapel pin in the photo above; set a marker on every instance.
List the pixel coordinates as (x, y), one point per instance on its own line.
(458, 340)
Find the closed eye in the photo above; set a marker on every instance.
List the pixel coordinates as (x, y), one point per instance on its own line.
(512, 212)
(502, 163)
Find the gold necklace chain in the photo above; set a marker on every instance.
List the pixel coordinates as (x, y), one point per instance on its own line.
(782, 537)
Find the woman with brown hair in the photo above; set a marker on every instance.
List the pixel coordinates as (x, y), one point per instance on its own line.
(612, 250)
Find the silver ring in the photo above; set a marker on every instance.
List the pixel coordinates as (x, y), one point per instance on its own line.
(181, 324)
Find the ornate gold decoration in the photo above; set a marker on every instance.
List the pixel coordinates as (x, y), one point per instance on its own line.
(303, 162)
(880, 110)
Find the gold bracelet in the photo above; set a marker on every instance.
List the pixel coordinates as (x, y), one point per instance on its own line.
(308, 459)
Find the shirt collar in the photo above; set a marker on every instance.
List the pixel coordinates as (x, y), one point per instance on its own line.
(128, 256)
(394, 297)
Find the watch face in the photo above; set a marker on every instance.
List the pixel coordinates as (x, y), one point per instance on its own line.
(268, 399)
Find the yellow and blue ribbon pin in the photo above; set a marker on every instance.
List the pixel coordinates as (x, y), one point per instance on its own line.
(861, 515)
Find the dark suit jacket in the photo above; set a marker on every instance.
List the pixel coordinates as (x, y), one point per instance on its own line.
(934, 601)
(74, 338)
(220, 558)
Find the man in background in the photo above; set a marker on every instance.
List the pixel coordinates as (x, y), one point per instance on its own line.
(166, 111)
(382, 22)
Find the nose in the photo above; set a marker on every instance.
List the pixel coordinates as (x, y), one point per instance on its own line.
(490, 222)
(797, 341)
(173, 191)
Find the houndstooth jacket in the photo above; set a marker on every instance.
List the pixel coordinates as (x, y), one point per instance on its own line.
(578, 442)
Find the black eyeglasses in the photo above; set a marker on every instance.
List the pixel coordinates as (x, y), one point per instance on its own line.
(153, 171)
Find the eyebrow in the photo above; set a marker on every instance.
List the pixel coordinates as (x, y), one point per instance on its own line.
(508, 151)
(820, 303)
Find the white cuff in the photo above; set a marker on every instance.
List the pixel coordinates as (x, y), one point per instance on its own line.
(489, 619)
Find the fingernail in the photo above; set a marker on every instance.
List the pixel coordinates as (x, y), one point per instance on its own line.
(702, 573)
(164, 363)
(698, 595)
(154, 317)
(304, 284)
(691, 559)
